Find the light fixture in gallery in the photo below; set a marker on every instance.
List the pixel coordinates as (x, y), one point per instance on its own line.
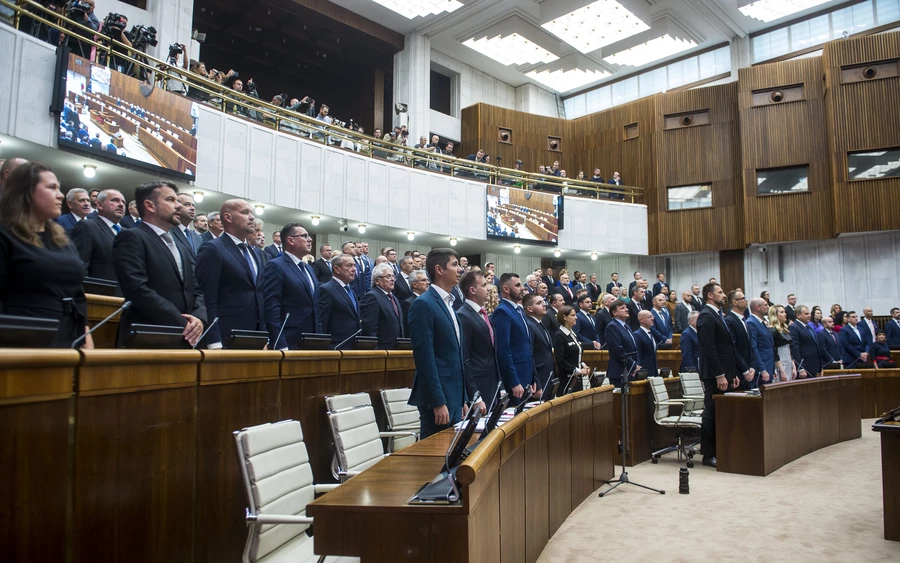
(568, 73)
(412, 9)
(771, 10)
(514, 41)
(663, 40)
(589, 25)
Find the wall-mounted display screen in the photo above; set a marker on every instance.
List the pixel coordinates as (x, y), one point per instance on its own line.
(523, 215)
(116, 116)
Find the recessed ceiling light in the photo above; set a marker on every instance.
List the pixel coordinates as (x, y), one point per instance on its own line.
(412, 9)
(771, 10)
(595, 24)
(90, 170)
(514, 41)
(650, 51)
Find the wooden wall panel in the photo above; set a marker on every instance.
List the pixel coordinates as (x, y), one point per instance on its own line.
(785, 134)
(703, 154)
(862, 115)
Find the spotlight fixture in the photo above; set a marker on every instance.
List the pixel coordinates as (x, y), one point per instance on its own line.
(361, 227)
(198, 197)
(593, 255)
(556, 252)
(90, 170)
(410, 235)
(452, 241)
(260, 209)
(517, 249)
(315, 219)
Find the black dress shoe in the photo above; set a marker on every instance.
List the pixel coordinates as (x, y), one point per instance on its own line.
(709, 461)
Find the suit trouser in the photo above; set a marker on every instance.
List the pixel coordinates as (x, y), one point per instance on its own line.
(708, 426)
(427, 427)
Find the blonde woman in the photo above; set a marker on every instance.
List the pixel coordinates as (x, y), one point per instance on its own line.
(493, 299)
(778, 326)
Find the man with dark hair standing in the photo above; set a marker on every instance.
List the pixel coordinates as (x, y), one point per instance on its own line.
(548, 279)
(402, 287)
(290, 287)
(438, 386)
(660, 284)
(789, 308)
(322, 266)
(853, 342)
(541, 340)
(718, 364)
(201, 224)
(153, 272)
(604, 317)
(741, 335)
(479, 353)
(585, 326)
(635, 305)
(762, 342)
(514, 355)
(274, 250)
(614, 283)
(337, 309)
(620, 342)
(379, 309)
(892, 329)
(357, 284)
(231, 277)
(637, 278)
(182, 235)
(804, 345)
(94, 237)
(646, 344)
(550, 322)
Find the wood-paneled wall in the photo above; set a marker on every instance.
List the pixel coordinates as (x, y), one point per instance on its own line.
(785, 134)
(480, 130)
(862, 115)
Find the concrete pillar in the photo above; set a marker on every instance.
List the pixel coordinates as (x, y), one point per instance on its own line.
(412, 84)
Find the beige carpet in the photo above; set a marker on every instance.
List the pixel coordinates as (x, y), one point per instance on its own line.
(823, 507)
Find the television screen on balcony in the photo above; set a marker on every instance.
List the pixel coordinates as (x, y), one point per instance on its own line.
(120, 118)
(523, 216)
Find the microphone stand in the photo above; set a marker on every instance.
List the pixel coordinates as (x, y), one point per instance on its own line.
(626, 433)
(125, 306)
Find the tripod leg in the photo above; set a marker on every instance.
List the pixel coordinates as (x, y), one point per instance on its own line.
(617, 483)
(646, 487)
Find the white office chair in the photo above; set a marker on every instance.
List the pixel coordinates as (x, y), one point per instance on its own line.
(357, 440)
(279, 484)
(682, 422)
(401, 416)
(692, 388)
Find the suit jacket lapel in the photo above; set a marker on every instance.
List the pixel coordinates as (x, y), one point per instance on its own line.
(105, 228)
(300, 274)
(165, 249)
(236, 252)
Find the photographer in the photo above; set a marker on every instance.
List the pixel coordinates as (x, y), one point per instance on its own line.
(177, 85)
(113, 26)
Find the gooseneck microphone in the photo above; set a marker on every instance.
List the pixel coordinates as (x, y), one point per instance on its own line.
(204, 333)
(348, 339)
(125, 306)
(281, 330)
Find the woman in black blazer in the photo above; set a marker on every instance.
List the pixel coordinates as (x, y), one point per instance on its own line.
(41, 274)
(567, 350)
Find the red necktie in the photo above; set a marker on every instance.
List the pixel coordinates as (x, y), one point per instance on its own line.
(488, 322)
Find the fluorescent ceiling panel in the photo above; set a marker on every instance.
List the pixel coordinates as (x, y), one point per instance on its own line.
(596, 24)
(771, 10)
(665, 39)
(514, 41)
(568, 73)
(412, 9)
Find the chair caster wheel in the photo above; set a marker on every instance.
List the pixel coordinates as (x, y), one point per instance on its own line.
(690, 463)
(654, 460)
(691, 455)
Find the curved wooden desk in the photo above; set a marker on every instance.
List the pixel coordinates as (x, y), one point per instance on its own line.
(757, 435)
(521, 484)
(880, 390)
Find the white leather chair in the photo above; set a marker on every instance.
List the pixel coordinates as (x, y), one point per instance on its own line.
(357, 440)
(692, 388)
(279, 484)
(401, 416)
(683, 423)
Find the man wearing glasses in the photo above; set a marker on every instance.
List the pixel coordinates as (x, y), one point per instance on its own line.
(380, 310)
(740, 333)
(290, 286)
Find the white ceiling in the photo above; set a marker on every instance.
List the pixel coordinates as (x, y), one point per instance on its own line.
(708, 22)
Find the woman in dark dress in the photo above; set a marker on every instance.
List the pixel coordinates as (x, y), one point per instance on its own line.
(567, 350)
(41, 273)
(881, 354)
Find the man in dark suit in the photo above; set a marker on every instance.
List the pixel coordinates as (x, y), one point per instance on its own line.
(94, 237)
(718, 365)
(690, 346)
(478, 346)
(419, 284)
(853, 342)
(621, 344)
(548, 279)
(660, 284)
(337, 310)
(867, 327)
(364, 268)
(647, 303)
(322, 266)
(684, 307)
(438, 386)
(402, 289)
(290, 287)
(585, 326)
(892, 329)
(829, 348)
(182, 234)
(740, 333)
(646, 343)
(696, 301)
(635, 306)
(613, 283)
(541, 340)
(603, 317)
(153, 272)
(214, 222)
(789, 309)
(357, 284)
(231, 277)
(565, 290)
(275, 249)
(761, 341)
(550, 322)
(379, 309)
(79, 203)
(662, 322)
(804, 345)
(514, 355)
(593, 288)
(131, 219)
(634, 282)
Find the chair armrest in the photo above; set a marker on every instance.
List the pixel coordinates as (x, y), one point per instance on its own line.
(344, 475)
(324, 488)
(277, 519)
(399, 435)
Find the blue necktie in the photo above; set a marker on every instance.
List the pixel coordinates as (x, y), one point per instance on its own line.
(246, 252)
(352, 297)
(190, 241)
(117, 228)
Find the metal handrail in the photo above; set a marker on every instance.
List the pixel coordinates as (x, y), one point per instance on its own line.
(277, 117)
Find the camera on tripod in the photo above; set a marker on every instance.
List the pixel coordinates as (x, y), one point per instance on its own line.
(77, 9)
(141, 36)
(114, 24)
(175, 49)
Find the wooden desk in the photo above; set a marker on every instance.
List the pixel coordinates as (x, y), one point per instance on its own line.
(880, 390)
(541, 450)
(758, 435)
(890, 477)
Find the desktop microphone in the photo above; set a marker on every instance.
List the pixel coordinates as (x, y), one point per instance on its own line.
(348, 339)
(281, 330)
(205, 332)
(121, 309)
(853, 363)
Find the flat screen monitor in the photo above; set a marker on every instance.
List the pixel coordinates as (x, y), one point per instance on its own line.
(313, 341)
(365, 343)
(523, 216)
(99, 286)
(494, 417)
(155, 337)
(248, 339)
(403, 344)
(115, 117)
(462, 439)
(26, 332)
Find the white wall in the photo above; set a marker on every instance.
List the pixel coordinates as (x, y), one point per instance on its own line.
(27, 71)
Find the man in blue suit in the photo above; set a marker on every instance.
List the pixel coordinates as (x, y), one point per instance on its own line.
(892, 329)
(853, 342)
(804, 346)
(229, 276)
(646, 344)
(337, 309)
(585, 325)
(690, 346)
(379, 309)
(79, 203)
(439, 385)
(621, 344)
(662, 322)
(290, 286)
(659, 285)
(761, 342)
(358, 284)
(829, 348)
(514, 355)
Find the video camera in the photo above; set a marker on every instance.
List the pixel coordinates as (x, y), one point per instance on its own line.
(77, 9)
(114, 23)
(141, 36)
